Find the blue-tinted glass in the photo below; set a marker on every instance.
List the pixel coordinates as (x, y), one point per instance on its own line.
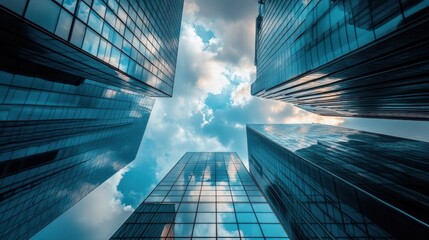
(207, 207)
(44, 13)
(261, 207)
(64, 25)
(185, 217)
(181, 230)
(273, 230)
(99, 7)
(243, 207)
(226, 217)
(188, 207)
(83, 12)
(246, 218)
(204, 230)
(250, 230)
(206, 217)
(95, 22)
(123, 65)
(266, 217)
(91, 42)
(227, 230)
(70, 5)
(225, 207)
(14, 5)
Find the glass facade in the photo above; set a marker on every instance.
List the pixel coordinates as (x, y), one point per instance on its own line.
(207, 195)
(328, 182)
(58, 142)
(76, 84)
(129, 44)
(345, 57)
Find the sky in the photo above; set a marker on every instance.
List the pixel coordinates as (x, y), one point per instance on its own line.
(209, 110)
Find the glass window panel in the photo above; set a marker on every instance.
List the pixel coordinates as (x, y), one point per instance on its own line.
(206, 217)
(273, 230)
(226, 218)
(95, 22)
(246, 218)
(225, 207)
(224, 198)
(78, 33)
(14, 5)
(114, 57)
(261, 207)
(185, 217)
(188, 207)
(181, 230)
(83, 12)
(99, 7)
(154, 199)
(243, 207)
(207, 199)
(204, 230)
(207, 207)
(266, 217)
(250, 230)
(173, 199)
(91, 42)
(64, 25)
(70, 5)
(123, 65)
(44, 13)
(240, 199)
(227, 230)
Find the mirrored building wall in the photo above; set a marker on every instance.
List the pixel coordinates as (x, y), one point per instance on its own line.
(327, 182)
(352, 58)
(58, 142)
(129, 44)
(207, 195)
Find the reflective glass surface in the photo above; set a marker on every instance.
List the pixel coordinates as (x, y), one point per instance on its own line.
(58, 142)
(133, 39)
(205, 184)
(345, 57)
(327, 182)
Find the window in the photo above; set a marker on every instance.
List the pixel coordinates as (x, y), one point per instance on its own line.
(44, 13)
(14, 5)
(78, 33)
(64, 25)
(91, 42)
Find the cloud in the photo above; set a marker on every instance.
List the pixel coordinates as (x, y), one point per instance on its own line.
(97, 216)
(240, 96)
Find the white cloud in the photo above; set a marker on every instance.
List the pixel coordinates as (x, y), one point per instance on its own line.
(241, 94)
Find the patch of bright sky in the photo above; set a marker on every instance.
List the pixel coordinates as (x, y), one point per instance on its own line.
(204, 34)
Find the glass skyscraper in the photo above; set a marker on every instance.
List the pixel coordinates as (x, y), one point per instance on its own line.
(327, 182)
(77, 79)
(345, 57)
(130, 44)
(206, 195)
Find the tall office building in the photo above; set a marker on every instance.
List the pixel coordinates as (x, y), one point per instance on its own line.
(352, 58)
(328, 182)
(76, 80)
(205, 196)
(130, 44)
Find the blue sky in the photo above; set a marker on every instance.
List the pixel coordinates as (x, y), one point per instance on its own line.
(208, 112)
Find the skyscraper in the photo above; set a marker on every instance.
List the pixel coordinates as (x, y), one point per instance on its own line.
(205, 196)
(328, 182)
(76, 80)
(128, 44)
(345, 57)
